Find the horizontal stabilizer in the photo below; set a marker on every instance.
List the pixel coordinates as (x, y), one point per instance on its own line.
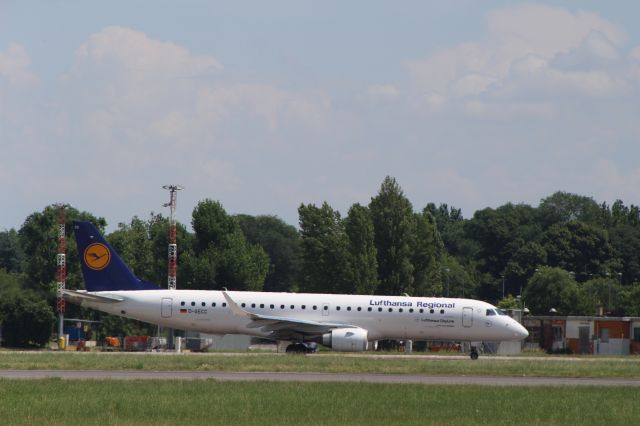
(77, 296)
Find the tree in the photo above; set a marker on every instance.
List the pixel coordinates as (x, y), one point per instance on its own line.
(281, 242)
(199, 272)
(625, 240)
(222, 257)
(500, 233)
(392, 215)
(363, 265)
(581, 248)
(211, 224)
(566, 207)
(601, 293)
(444, 215)
(552, 288)
(523, 264)
(458, 279)
(11, 254)
(509, 302)
(38, 239)
(27, 320)
(427, 250)
(133, 244)
(240, 265)
(324, 250)
(630, 299)
(450, 225)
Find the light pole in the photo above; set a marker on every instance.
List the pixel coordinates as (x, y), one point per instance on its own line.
(502, 285)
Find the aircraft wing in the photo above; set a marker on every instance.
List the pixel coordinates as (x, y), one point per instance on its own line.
(282, 328)
(77, 296)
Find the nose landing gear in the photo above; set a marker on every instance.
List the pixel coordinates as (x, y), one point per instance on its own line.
(474, 350)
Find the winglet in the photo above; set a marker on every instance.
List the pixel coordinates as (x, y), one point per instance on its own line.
(237, 310)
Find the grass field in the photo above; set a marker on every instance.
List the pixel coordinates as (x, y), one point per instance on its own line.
(627, 367)
(89, 402)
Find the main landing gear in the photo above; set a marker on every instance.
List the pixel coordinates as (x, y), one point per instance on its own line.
(302, 348)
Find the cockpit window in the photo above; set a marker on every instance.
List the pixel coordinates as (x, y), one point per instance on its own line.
(490, 312)
(501, 312)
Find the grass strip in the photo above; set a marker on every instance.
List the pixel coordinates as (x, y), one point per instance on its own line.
(106, 402)
(592, 367)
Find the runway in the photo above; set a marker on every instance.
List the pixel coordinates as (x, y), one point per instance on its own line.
(314, 377)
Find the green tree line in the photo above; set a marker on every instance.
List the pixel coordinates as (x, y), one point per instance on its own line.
(569, 253)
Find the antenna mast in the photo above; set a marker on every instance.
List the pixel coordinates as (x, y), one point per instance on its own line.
(62, 265)
(173, 246)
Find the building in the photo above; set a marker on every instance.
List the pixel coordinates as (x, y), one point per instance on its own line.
(584, 334)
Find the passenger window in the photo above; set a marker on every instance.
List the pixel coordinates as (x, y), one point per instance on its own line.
(213, 305)
(442, 311)
(326, 308)
(224, 304)
(193, 303)
(390, 309)
(243, 305)
(359, 308)
(337, 308)
(181, 303)
(292, 306)
(431, 311)
(204, 304)
(262, 306)
(411, 310)
(281, 306)
(379, 309)
(253, 305)
(369, 309)
(348, 308)
(271, 306)
(421, 311)
(315, 307)
(304, 306)
(400, 310)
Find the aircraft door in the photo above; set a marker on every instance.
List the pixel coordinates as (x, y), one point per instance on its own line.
(325, 309)
(467, 317)
(165, 307)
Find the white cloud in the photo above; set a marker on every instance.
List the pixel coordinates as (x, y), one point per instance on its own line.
(529, 52)
(275, 106)
(158, 113)
(383, 91)
(15, 65)
(142, 58)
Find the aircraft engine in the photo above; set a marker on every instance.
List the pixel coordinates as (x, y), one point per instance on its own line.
(346, 340)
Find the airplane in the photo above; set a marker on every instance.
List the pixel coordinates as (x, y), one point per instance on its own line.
(345, 323)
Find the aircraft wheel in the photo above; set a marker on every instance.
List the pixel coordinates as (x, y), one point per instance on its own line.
(474, 355)
(296, 348)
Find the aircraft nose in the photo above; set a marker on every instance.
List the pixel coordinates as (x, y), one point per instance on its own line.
(520, 331)
(516, 330)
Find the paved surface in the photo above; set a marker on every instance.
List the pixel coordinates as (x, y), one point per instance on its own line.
(314, 377)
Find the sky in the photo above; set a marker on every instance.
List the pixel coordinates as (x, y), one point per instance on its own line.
(264, 105)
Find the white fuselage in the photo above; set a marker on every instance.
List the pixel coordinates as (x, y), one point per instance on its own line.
(384, 317)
